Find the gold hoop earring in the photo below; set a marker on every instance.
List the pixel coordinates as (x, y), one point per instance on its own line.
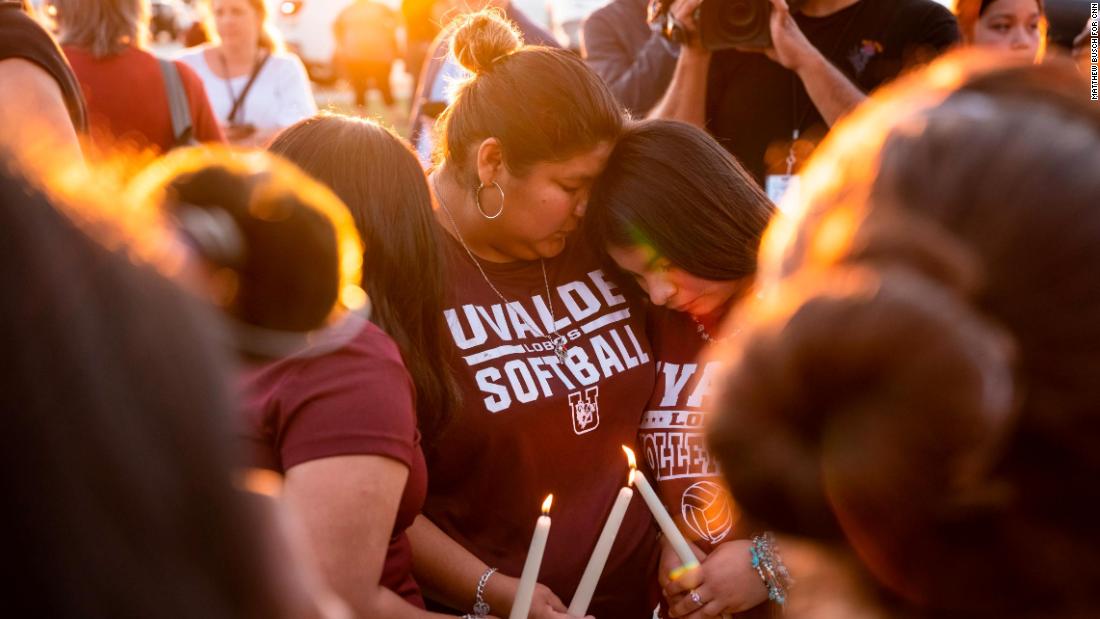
(477, 201)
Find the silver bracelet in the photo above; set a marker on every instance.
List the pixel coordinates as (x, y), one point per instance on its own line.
(481, 607)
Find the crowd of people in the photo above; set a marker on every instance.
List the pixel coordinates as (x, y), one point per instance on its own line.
(836, 292)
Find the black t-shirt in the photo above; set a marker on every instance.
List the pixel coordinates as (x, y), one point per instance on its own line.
(22, 37)
(754, 104)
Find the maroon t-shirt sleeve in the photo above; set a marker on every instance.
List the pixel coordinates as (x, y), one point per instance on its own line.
(336, 410)
(202, 116)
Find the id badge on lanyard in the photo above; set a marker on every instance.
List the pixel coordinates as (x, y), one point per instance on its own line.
(784, 188)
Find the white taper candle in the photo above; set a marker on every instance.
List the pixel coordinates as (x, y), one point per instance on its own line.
(668, 527)
(583, 595)
(521, 605)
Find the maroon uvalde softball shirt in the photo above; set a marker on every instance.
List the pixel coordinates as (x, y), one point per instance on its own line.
(531, 426)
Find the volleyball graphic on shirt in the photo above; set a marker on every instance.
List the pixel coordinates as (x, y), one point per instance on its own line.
(708, 511)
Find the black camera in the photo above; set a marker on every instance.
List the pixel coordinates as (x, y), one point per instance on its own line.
(723, 24)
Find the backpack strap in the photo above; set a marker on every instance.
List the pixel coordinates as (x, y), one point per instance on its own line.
(182, 130)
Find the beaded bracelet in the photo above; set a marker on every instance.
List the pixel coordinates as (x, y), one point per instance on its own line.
(769, 565)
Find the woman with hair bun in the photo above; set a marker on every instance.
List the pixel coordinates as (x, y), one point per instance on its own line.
(918, 381)
(677, 211)
(550, 349)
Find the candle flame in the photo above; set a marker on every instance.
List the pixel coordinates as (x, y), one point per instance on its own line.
(630, 457)
(630, 478)
(546, 504)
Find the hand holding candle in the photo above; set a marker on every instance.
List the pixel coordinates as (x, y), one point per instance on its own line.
(587, 587)
(668, 527)
(521, 606)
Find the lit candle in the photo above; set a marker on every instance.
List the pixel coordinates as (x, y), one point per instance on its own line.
(522, 604)
(668, 527)
(583, 596)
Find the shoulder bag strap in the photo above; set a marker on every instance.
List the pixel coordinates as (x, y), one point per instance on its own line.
(248, 86)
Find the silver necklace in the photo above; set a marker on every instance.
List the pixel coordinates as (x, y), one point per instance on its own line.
(557, 341)
(706, 336)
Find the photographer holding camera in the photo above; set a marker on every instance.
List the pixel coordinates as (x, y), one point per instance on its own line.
(768, 85)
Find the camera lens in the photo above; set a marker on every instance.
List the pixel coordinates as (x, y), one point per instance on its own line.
(738, 16)
(739, 13)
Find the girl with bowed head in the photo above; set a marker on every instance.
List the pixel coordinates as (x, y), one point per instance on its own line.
(917, 383)
(549, 348)
(677, 212)
(255, 87)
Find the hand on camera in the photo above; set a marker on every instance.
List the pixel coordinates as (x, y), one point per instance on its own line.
(686, 13)
(790, 48)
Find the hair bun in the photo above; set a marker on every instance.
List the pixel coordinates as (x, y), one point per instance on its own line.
(480, 39)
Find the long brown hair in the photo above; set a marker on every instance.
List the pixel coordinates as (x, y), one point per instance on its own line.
(920, 377)
(379, 178)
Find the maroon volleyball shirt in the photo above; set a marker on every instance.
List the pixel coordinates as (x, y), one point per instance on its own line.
(672, 434)
(357, 400)
(531, 425)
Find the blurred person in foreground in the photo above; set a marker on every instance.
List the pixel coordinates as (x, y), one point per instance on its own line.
(915, 391)
(120, 472)
(256, 88)
(1013, 26)
(329, 401)
(124, 84)
(770, 107)
(42, 109)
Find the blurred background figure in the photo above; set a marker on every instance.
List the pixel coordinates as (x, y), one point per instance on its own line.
(634, 59)
(1014, 26)
(566, 19)
(421, 26)
(126, 88)
(917, 383)
(41, 104)
(120, 483)
(366, 46)
(255, 87)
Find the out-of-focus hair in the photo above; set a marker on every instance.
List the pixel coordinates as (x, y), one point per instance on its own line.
(283, 247)
(379, 178)
(118, 469)
(103, 27)
(919, 377)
